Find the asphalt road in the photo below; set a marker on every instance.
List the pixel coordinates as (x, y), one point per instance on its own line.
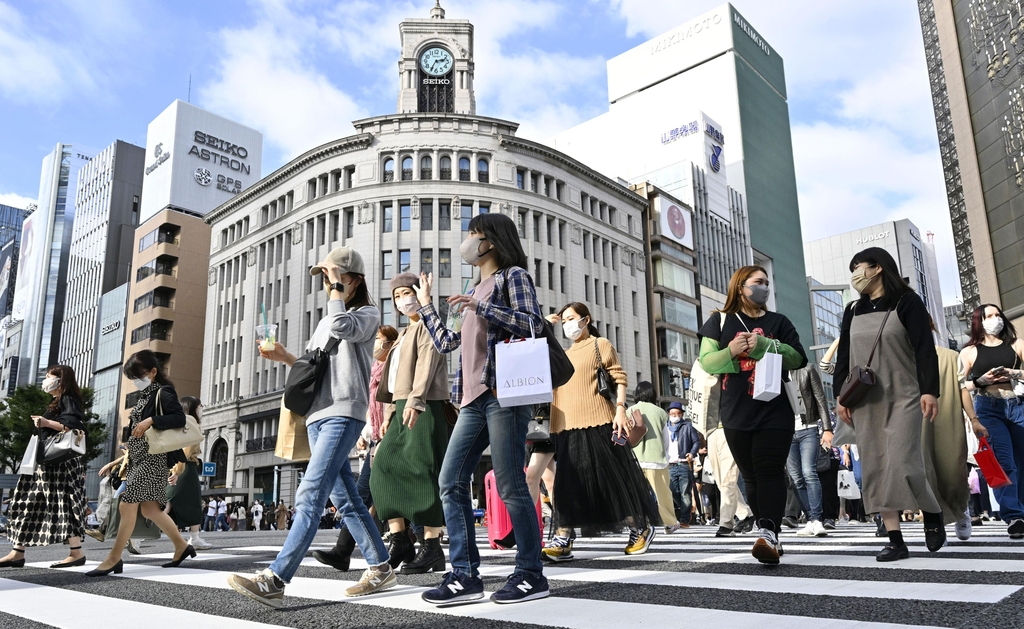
(687, 579)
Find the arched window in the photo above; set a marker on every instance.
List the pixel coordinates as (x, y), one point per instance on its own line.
(481, 171)
(389, 170)
(446, 167)
(464, 169)
(407, 168)
(219, 455)
(426, 167)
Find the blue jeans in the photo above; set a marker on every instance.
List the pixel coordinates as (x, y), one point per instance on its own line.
(221, 523)
(484, 422)
(802, 466)
(679, 484)
(1004, 420)
(328, 476)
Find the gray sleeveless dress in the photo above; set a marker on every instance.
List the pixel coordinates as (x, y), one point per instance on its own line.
(888, 421)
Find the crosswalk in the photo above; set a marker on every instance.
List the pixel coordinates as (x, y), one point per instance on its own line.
(689, 578)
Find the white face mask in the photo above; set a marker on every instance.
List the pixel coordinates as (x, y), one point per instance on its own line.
(675, 419)
(408, 305)
(141, 383)
(50, 384)
(572, 329)
(993, 326)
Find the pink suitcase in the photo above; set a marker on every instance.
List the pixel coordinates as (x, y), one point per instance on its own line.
(499, 524)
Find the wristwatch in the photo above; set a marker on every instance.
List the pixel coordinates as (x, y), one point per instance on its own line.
(338, 286)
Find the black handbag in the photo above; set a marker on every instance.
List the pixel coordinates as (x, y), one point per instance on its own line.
(561, 367)
(62, 446)
(860, 380)
(605, 385)
(824, 462)
(305, 378)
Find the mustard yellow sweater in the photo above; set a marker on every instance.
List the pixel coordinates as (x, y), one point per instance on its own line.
(577, 404)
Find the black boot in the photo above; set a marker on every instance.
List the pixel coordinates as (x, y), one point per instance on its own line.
(401, 549)
(430, 558)
(339, 556)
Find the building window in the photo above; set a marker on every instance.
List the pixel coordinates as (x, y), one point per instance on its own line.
(350, 221)
(387, 209)
(467, 270)
(482, 174)
(404, 261)
(536, 274)
(446, 168)
(386, 265)
(537, 218)
(464, 169)
(406, 168)
(586, 287)
(635, 312)
(467, 215)
(426, 261)
(562, 282)
(561, 234)
(444, 217)
(520, 176)
(405, 218)
(426, 216)
(385, 312)
(389, 170)
(679, 312)
(521, 224)
(586, 245)
(444, 262)
(674, 277)
(426, 167)
(636, 342)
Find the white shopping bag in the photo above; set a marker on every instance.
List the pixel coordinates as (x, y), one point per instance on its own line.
(847, 485)
(522, 371)
(972, 444)
(28, 462)
(768, 377)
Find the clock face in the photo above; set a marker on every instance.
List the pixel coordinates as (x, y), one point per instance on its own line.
(436, 61)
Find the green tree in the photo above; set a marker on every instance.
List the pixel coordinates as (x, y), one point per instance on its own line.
(16, 427)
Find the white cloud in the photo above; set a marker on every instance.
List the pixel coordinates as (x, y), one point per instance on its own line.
(15, 200)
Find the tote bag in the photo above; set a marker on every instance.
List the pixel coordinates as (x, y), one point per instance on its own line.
(292, 438)
(29, 461)
(704, 396)
(522, 370)
(173, 439)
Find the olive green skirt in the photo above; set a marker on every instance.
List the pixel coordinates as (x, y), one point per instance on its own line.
(404, 476)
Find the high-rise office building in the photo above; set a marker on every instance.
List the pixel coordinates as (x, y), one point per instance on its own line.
(715, 84)
(11, 220)
(108, 341)
(975, 59)
(40, 293)
(108, 202)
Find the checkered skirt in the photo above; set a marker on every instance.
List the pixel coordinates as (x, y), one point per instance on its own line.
(48, 507)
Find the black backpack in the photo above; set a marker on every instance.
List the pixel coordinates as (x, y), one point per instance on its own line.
(305, 378)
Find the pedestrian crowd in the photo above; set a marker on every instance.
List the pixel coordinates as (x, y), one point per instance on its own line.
(758, 447)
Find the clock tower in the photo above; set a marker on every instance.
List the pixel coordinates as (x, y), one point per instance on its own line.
(436, 69)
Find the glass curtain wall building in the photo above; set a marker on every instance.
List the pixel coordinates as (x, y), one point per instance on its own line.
(827, 305)
(108, 340)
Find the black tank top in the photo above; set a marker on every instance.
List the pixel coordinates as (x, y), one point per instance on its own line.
(990, 357)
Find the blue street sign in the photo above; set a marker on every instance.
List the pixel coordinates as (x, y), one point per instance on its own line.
(209, 468)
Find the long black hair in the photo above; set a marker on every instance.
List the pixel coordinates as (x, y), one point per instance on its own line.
(143, 361)
(190, 405)
(895, 285)
(502, 233)
(645, 392)
(582, 310)
(68, 386)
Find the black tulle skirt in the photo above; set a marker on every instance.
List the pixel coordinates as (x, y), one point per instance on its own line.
(600, 484)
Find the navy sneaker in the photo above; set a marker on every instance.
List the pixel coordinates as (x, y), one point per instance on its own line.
(520, 587)
(456, 589)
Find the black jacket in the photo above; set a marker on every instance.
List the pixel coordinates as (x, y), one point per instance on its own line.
(68, 412)
(813, 394)
(173, 417)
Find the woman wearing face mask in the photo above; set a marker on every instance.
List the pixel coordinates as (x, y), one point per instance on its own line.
(340, 556)
(404, 481)
(888, 419)
(991, 361)
(599, 482)
(48, 507)
(158, 408)
(504, 304)
(333, 423)
(759, 433)
(184, 494)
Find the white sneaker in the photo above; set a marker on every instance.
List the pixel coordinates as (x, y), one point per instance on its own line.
(963, 527)
(807, 531)
(819, 528)
(199, 543)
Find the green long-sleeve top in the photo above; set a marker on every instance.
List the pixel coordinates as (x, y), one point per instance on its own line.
(739, 409)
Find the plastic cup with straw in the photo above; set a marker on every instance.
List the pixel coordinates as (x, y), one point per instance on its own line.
(266, 334)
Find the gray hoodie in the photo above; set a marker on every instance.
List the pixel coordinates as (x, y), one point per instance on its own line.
(346, 387)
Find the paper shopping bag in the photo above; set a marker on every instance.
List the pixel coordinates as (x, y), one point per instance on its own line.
(986, 457)
(523, 372)
(768, 377)
(292, 438)
(846, 484)
(28, 462)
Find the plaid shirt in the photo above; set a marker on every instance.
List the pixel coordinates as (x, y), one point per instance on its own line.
(503, 321)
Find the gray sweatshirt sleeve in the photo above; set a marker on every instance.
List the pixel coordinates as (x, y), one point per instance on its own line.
(352, 325)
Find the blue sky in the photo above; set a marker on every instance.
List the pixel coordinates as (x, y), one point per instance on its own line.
(92, 71)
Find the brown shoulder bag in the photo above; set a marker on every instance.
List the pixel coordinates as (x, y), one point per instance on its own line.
(860, 379)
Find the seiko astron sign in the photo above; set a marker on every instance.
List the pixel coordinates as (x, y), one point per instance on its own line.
(197, 160)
